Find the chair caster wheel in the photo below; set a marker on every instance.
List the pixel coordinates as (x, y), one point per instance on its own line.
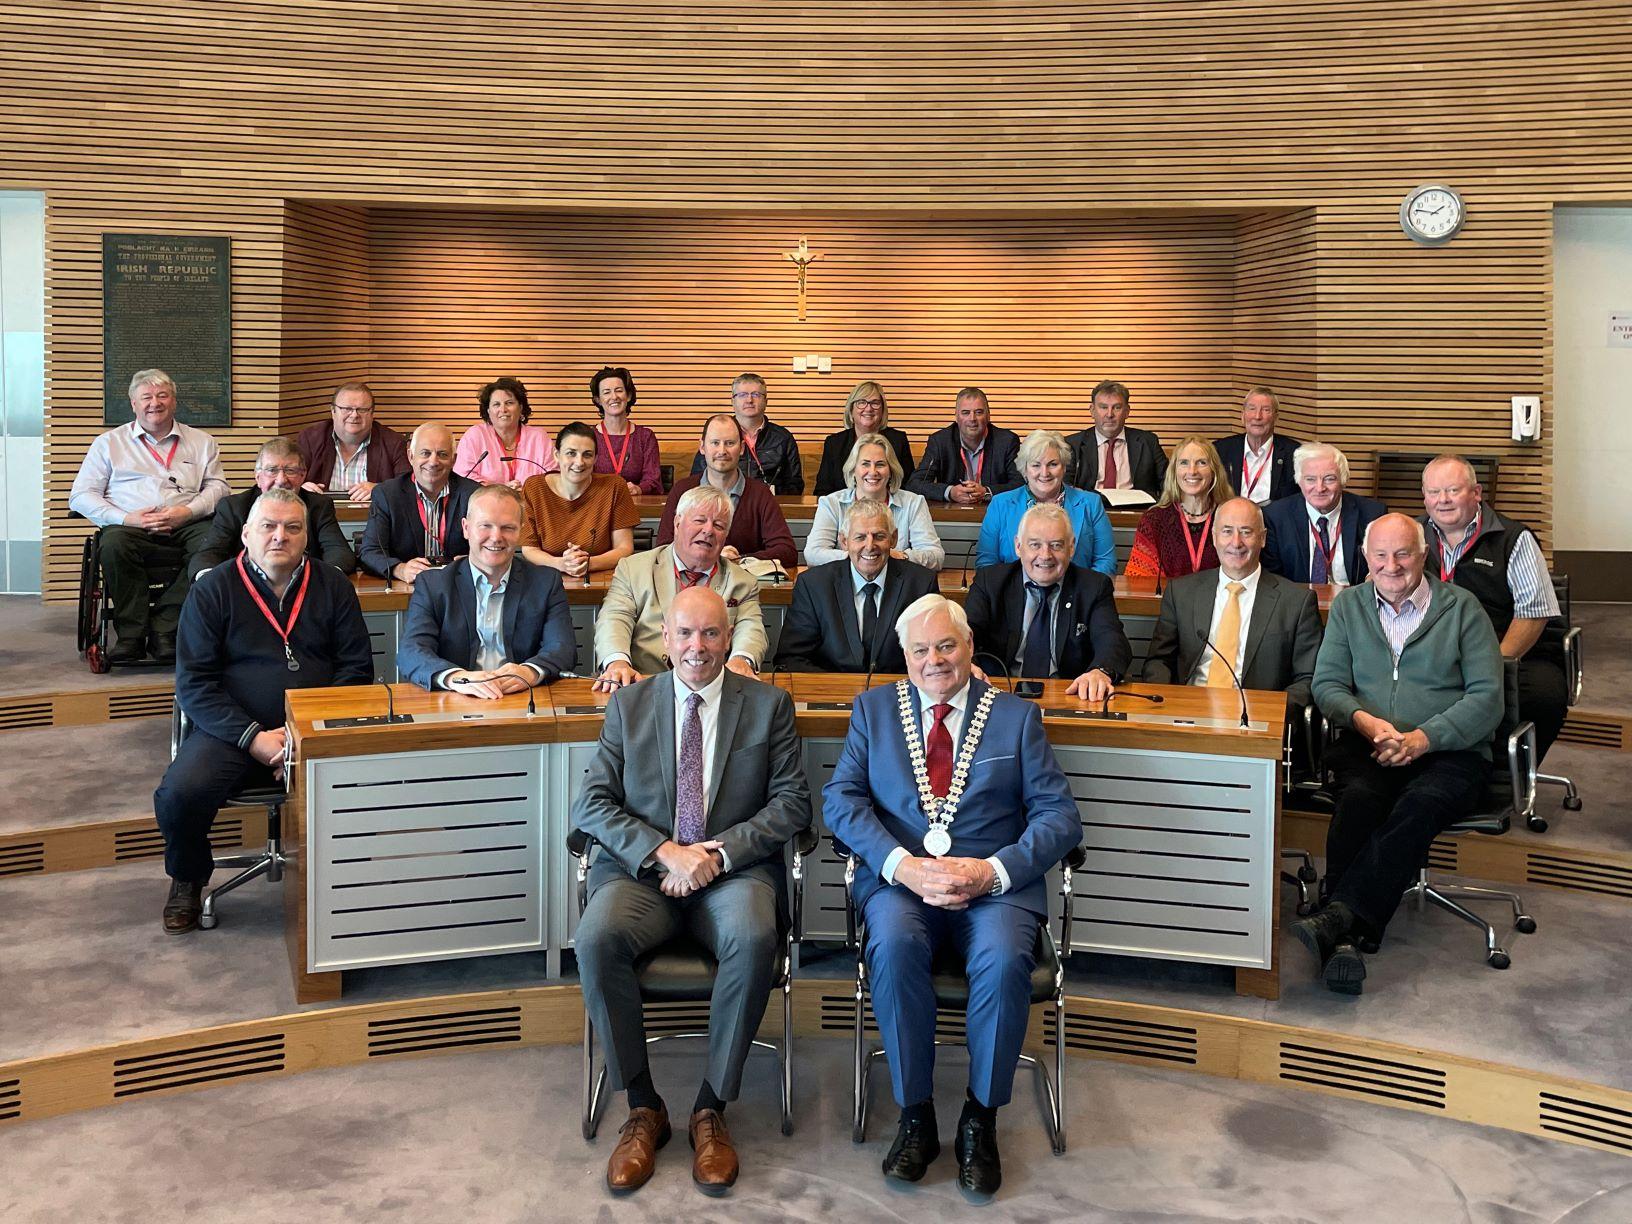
(1572, 803)
(207, 921)
(96, 660)
(1538, 824)
(1308, 874)
(1305, 908)
(1498, 960)
(787, 1126)
(1525, 925)
(856, 1136)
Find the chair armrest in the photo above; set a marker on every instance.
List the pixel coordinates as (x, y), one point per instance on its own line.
(1574, 671)
(1073, 861)
(1317, 733)
(581, 846)
(579, 843)
(807, 841)
(1075, 858)
(1521, 768)
(178, 727)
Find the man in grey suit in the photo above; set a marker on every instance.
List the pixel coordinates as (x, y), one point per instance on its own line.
(1266, 626)
(688, 846)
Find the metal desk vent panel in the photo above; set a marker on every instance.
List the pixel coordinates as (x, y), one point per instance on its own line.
(421, 857)
(193, 1065)
(382, 643)
(11, 1100)
(444, 1030)
(1578, 872)
(1138, 1040)
(1600, 1125)
(1345, 1071)
(824, 870)
(22, 858)
(1179, 861)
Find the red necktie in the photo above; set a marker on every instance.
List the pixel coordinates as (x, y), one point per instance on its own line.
(940, 752)
(1110, 466)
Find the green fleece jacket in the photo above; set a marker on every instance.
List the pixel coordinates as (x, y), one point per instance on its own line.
(1448, 682)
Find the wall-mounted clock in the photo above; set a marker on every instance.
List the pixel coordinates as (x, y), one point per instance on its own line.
(1432, 215)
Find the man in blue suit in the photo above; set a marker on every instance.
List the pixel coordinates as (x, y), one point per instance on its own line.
(1314, 538)
(951, 799)
(490, 623)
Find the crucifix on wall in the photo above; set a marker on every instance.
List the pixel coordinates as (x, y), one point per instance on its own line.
(802, 257)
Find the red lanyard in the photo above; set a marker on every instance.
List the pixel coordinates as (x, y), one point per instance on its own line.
(442, 518)
(1197, 549)
(1250, 477)
(1446, 573)
(1327, 551)
(166, 459)
(628, 440)
(294, 612)
(754, 451)
(972, 470)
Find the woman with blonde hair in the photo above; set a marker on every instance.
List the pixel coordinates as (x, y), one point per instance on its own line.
(1175, 536)
(865, 412)
(873, 471)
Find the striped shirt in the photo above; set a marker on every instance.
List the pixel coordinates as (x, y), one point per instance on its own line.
(346, 474)
(1527, 577)
(1399, 626)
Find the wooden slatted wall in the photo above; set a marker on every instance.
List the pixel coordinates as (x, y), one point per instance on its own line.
(325, 310)
(205, 116)
(1033, 311)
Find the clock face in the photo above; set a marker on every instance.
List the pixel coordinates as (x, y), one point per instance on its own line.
(1433, 214)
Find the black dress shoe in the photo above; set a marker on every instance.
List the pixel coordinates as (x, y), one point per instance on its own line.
(979, 1170)
(164, 647)
(126, 650)
(182, 907)
(1322, 932)
(917, 1144)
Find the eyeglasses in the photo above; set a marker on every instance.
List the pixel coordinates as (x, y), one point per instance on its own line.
(282, 471)
(353, 411)
(749, 395)
(867, 403)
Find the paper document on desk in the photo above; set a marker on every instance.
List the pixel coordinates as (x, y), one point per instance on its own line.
(1127, 499)
(764, 568)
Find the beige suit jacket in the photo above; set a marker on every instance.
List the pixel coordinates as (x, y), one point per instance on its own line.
(643, 585)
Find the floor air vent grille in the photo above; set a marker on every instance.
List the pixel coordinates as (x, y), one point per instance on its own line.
(1142, 1040)
(139, 705)
(1442, 854)
(455, 1030)
(1580, 874)
(11, 1100)
(1361, 1073)
(206, 1064)
(22, 858)
(24, 715)
(1600, 1125)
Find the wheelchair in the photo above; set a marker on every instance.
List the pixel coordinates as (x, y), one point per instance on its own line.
(93, 628)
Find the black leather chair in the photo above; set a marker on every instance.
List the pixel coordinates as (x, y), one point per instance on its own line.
(269, 862)
(952, 992)
(682, 971)
(92, 624)
(1301, 779)
(1565, 636)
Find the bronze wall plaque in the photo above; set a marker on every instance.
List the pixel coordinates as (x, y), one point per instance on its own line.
(167, 304)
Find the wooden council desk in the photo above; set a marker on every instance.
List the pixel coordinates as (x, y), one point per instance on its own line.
(445, 837)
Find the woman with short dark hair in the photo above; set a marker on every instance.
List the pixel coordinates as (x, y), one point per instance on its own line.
(622, 447)
(502, 448)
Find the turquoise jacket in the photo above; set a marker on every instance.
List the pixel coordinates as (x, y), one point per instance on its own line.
(1448, 682)
(1096, 546)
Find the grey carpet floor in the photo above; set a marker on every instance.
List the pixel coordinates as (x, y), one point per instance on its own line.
(1606, 639)
(86, 963)
(37, 652)
(493, 1137)
(57, 776)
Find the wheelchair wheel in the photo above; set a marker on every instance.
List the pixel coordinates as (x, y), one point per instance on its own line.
(89, 625)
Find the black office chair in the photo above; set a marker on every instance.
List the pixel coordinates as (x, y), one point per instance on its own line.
(1562, 636)
(1301, 777)
(682, 971)
(665, 472)
(645, 537)
(952, 992)
(269, 862)
(92, 626)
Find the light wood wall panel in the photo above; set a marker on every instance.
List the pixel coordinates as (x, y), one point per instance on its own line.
(325, 308)
(174, 116)
(1033, 311)
(1276, 317)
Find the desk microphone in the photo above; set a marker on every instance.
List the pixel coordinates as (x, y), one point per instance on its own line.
(966, 552)
(391, 704)
(480, 459)
(532, 709)
(1105, 706)
(986, 654)
(1246, 723)
(522, 459)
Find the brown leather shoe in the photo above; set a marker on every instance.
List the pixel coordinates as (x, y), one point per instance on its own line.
(182, 907)
(714, 1167)
(635, 1158)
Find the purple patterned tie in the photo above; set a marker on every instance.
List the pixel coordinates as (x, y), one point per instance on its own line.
(688, 789)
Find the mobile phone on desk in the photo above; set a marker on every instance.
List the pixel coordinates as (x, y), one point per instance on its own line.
(1031, 689)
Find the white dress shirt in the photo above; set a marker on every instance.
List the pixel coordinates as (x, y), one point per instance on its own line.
(1258, 464)
(1334, 531)
(953, 723)
(1249, 591)
(709, 713)
(121, 475)
(858, 580)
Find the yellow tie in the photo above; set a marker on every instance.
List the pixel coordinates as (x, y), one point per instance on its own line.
(1227, 639)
